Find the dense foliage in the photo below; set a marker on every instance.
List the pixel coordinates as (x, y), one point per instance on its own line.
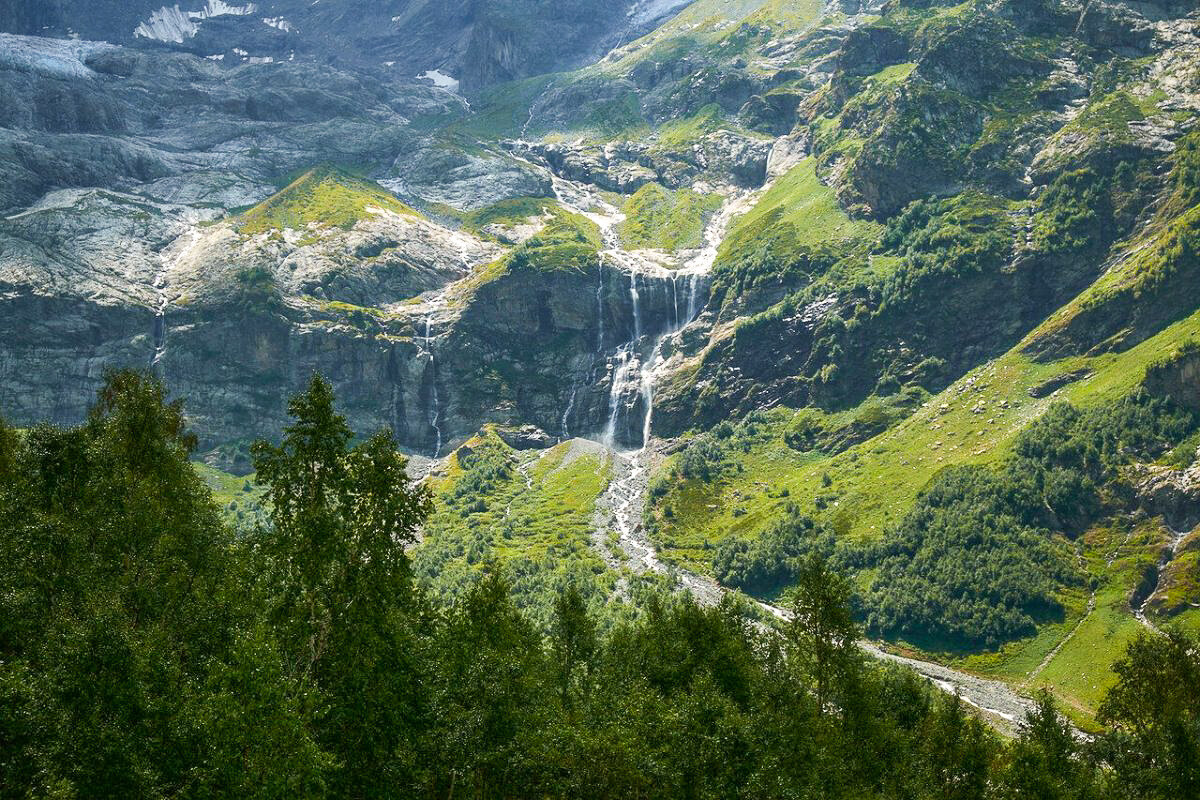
(985, 553)
(946, 239)
(711, 454)
(146, 650)
(978, 561)
(769, 562)
(968, 565)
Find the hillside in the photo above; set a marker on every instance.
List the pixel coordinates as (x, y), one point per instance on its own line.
(659, 294)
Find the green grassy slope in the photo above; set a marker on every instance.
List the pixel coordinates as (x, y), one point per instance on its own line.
(322, 197)
(527, 513)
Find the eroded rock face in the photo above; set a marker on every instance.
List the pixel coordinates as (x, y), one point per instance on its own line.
(526, 437)
(467, 181)
(1171, 494)
(1177, 378)
(389, 308)
(236, 322)
(625, 167)
(479, 42)
(1178, 588)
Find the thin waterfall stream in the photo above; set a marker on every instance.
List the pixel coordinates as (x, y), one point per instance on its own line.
(164, 299)
(435, 411)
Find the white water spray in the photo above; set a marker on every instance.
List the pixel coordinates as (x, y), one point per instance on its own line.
(566, 417)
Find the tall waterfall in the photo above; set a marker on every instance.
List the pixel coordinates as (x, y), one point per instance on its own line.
(435, 410)
(162, 291)
(634, 365)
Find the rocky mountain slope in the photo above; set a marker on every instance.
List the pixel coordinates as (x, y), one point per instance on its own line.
(701, 287)
(476, 43)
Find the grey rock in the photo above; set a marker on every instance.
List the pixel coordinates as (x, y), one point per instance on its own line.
(526, 437)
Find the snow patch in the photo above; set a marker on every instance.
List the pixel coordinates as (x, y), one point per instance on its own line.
(440, 79)
(173, 25)
(167, 25)
(219, 8)
(647, 11)
(278, 23)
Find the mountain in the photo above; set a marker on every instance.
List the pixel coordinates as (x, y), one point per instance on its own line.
(693, 288)
(482, 42)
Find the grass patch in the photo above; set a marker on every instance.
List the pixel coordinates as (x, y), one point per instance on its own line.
(240, 498)
(567, 241)
(325, 197)
(662, 219)
(526, 513)
(1080, 672)
(685, 132)
(507, 213)
(798, 211)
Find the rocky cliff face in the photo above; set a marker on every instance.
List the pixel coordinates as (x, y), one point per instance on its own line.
(901, 186)
(478, 43)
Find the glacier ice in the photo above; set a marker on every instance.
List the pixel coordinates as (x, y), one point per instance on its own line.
(62, 58)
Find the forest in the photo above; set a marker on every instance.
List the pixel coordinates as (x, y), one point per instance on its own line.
(984, 552)
(150, 649)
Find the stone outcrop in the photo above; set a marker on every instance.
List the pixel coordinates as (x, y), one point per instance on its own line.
(1169, 493)
(624, 167)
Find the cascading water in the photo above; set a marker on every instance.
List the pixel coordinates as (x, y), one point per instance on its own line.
(164, 300)
(693, 306)
(600, 313)
(675, 297)
(635, 300)
(625, 363)
(435, 412)
(566, 417)
(634, 366)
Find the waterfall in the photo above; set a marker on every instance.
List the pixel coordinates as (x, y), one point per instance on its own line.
(160, 335)
(633, 365)
(693, 295)
(621, 381)
(633, 368)
(675, 296)
(600, 312)
(164, 300)
(435, 413)
(647, 390)
(566, 417)
(637, 314)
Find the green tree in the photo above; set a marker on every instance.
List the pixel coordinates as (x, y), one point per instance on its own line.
(822, 635)
(490, 697)
(339, 586)
(573, 645)
(119, 617)
(1154, 710)
(956, 751)
(1045, 762)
